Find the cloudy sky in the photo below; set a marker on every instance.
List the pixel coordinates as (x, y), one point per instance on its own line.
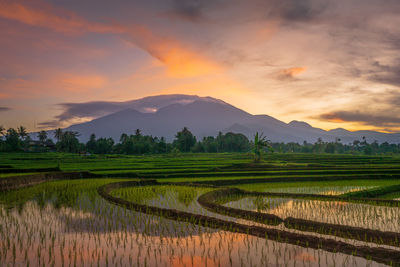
(332, 63)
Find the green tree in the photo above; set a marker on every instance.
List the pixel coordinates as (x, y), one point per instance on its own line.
(260, 142)
(161, 146)
(22, 132)
(184, 140)
(2, 132)
(42, 135)
(104, 146)
(210, 144)
(330, 148)
(69, 142)
(91, 144)
(198, 147)
(12, 140)
(58, 134)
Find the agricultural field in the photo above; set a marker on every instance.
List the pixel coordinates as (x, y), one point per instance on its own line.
(199, 210)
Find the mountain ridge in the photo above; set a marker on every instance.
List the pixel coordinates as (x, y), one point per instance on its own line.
(207, 116)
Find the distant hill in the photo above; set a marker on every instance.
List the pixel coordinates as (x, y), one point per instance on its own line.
(167, 114)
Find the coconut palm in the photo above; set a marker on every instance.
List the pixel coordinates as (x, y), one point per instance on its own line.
(58, 134)
(42, 135)
(123, 138)
(22, 132)
(2, 131)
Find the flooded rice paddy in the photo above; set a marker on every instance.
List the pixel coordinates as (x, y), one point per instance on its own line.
(95, 233)
(69, 224)
(381, 218)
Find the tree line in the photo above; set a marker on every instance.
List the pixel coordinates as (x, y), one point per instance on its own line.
(137, 144)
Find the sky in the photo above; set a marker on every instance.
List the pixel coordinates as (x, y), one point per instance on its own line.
(331, 63)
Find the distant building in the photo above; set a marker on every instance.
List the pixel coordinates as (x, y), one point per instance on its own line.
(37, 146)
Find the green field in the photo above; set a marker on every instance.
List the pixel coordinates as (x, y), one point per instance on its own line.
(152, 217)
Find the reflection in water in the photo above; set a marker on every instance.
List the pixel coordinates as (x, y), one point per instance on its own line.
(97, 233)
(335, 212)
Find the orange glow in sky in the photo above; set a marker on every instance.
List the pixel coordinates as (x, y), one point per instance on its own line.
(295, 61)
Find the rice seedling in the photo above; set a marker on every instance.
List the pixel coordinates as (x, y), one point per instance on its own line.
(381, 218)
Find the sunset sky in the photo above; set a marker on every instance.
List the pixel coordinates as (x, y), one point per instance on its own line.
(332, 63)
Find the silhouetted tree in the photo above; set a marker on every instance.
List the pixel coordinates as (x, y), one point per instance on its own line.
(68, 142)
(12, 140)
(330, 148)
(58, 134)
(2, 132)
(91, 144)
(22, 132)
(42, 135)
(184, 140)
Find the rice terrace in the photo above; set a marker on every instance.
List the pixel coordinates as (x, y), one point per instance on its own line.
(199, 210)
(199, 133)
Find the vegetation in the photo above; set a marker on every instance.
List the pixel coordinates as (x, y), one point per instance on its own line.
(260, 143)
(13, 140)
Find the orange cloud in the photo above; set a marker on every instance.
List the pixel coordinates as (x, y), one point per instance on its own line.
(292, 72)
(48, 17)
(214, 85)
(180, 60)
(332, 117)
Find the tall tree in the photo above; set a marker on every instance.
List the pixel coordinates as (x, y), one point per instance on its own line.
(58, 134)
(184, 140)
(13, 142)
(260, 142)
(42, 135)
(68, 142)
(91, 144)
(123, 138)
(2, 131)
(22, 132)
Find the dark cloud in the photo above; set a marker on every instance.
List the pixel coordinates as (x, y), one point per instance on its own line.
(289, 10)
(88, 109)
(92, 110)
(2, 109)
(389, 74)
(192, 10)
(189, 8)
(49, 124)
(372, 119)
(302, 10)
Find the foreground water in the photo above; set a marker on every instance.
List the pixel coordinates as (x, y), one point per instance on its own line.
(93, 232)
(334, 212)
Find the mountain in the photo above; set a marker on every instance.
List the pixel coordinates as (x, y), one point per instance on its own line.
(165, 115)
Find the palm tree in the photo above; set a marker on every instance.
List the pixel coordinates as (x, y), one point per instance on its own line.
(22, 132)
(123, 138)
(2, 131)
(42, 135)
(260, 142)
(58, 134)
